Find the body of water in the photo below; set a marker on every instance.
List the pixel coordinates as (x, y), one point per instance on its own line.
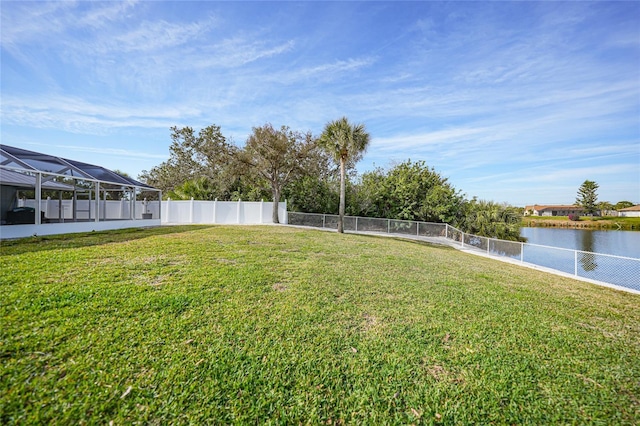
(619, 243)
(614, 270)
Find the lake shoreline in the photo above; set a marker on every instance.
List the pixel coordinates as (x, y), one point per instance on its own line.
(604, 225)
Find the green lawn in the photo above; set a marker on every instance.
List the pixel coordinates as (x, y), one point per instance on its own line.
(280, 325)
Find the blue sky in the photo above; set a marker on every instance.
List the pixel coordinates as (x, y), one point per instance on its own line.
(515, 102)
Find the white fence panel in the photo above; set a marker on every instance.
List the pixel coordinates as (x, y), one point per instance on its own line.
(220, 212)
(198, 211)
(251, 212)
(86, 209)
(227, 212)
(181, 211)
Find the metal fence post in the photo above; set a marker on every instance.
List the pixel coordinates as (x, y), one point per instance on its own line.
(38, 217)
(388, 226)
(262, 209)
(521, 252)
(134, 200)
(286, 212)
(324, 219)
(96, 208)
(417, 229)
(462, 234)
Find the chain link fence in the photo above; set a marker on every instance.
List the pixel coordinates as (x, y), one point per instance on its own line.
(610, 269)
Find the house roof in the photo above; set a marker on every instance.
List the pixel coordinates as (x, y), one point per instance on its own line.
(538, 207)
(631, 209)
(35, 161)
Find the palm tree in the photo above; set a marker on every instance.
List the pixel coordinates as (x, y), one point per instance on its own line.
(493, 220)
(346, 143)
(201, 188)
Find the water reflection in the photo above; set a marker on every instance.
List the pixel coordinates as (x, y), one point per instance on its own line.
(588, 261)
(587, 243)
(586, 240)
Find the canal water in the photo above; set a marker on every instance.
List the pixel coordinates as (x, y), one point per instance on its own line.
(623, 271)
(618, 243)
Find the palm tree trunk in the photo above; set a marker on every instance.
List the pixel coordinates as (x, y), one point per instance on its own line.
(276, 202)
(342, 195)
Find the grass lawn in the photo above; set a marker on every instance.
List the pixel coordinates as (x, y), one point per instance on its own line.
(280, 325)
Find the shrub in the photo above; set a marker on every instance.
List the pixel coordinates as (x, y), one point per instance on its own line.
(574, 217)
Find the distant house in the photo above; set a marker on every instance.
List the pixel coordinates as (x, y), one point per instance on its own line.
(633, 211)
(562, 210)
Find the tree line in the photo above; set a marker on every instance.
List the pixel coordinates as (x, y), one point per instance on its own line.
(317, 175)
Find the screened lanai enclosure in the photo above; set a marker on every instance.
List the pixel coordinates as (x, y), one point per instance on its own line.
(43, 194)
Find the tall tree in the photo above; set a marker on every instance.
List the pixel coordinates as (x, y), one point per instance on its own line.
(277, 155)
(588, 197)
(192, 156)
(409, 191)
(317, 190)
(623, 205)
(346, 143)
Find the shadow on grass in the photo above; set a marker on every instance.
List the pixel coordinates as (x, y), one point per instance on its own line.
(418, 240)
(86, 239)
(404, 239)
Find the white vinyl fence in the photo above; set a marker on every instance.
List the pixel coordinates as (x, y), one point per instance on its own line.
(221, 212)
(62, 210)
(617, 270)
(174, 212)
(62, 217)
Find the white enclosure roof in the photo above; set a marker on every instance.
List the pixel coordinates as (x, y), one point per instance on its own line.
(11, 178)
(35, 161)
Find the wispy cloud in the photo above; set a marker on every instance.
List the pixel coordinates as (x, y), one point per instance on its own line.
(236, 52)
(431, 140)
(150, 37)
(80, 116)
(88, 149)
(26, 22)
(106, 13)
(328, 71)
(551, 176)
(489, 93)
